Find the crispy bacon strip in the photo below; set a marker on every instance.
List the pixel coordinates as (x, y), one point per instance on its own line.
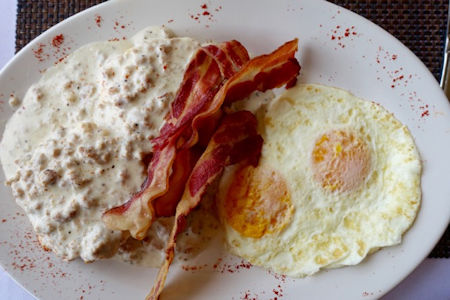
(264, 72)
(235, 141)
(182, 167)
(194, 97)
(259, 74)
(203, 77)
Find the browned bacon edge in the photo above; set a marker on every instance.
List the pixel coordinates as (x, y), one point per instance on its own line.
(134, 215)
(226, 147)
(233, 141)
(203, 77)
(182, 167)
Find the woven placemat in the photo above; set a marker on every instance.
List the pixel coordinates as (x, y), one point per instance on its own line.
(420, 25)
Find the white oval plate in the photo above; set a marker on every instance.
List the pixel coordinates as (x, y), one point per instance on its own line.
(364, 59)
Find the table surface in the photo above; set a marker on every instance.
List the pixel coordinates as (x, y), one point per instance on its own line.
(431, 279)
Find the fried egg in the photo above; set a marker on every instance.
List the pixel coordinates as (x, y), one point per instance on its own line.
(338, 178)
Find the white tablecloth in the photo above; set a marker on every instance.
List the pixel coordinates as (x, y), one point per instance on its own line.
(431, 280)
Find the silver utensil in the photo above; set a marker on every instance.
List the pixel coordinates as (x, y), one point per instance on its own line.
(445, 76)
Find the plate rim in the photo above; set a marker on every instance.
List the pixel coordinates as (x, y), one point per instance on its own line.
(383, 32)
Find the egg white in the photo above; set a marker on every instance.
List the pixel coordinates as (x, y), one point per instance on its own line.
(329, 228)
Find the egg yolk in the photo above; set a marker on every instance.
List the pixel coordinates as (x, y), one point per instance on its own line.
(341, 160)
(258, 202)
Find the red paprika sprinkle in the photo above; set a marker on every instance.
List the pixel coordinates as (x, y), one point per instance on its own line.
(98, 20)
(58, 40)
(39, 53)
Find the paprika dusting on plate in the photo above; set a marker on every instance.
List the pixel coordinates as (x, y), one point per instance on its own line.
(58, 40)
(98, 20)
(40, 54)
